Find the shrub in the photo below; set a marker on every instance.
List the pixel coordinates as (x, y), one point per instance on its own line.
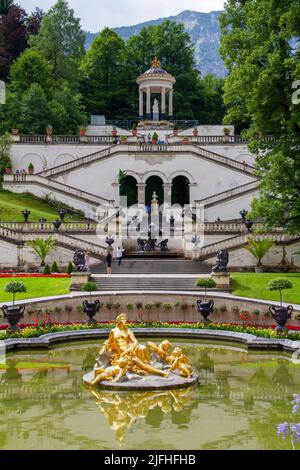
(139, 305)
(15, 287)
(109, 306)
(89, 287)
(57, 310)
(129, 306)
(117, 306)
(223, 308)
(148, 306)
(68, 308)
(157, 304)
(79, 308)
(280, 284)
(236, 310)
(167, 306)
(184, 307)
(47, 269)
(177, 304)
(256, 312)
(206, 283)
(70, 268)
(54, 268)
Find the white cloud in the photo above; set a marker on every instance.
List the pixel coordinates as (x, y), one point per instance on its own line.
(95, 14)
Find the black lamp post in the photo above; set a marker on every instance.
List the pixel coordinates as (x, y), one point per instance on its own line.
(26, 214)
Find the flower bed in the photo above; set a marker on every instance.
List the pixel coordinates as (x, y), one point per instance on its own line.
(16, 275)
(42, 328)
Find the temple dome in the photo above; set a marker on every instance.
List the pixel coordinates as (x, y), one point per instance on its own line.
(156, 69)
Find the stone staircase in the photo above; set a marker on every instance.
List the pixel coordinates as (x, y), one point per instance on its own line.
(157, 266)
(122, 283)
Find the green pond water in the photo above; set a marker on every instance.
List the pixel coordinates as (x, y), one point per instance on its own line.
(241, 398)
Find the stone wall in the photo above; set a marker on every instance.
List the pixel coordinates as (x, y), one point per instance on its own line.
(66, 308)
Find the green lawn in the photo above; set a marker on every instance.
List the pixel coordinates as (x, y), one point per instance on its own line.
(254, 285)
(12, 204)
(36, 287)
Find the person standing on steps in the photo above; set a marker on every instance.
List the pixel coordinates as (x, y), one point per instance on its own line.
(108, 262)
(120, 253)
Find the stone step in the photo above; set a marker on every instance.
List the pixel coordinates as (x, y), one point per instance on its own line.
(154, 266)
(112, 283)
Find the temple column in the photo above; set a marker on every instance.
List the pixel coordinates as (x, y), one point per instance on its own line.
(141, 107)
(163, 103)
(141, 187)
(171, 103)
(148, 105)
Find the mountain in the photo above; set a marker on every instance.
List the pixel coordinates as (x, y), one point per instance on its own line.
(204, 30)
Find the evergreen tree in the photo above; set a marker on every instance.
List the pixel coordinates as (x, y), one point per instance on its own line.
(61, 42)
(35, 111)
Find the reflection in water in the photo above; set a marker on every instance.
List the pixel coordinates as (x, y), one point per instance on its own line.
(241, 398)
(122, 409)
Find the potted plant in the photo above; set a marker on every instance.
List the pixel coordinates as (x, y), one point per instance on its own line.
(259, 249)
(195, 131)
(134, 130)
(155, 138)
(206, 308)
(30, 169)
(114, 131)
(185, 140)
(279, 313)
(82, 131)
(8, 168)
(175, 130)
(49, 130)
(89, 307)
(14, 313)
(124, 139)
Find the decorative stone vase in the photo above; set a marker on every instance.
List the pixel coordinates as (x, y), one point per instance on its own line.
(91, 308)
(185, 141)
(114, 133)
(281, 315)
(175, 132)
(82, 132)
(205, 309)
(195, 133)
(15, 131)
(134, 132)
(26, 214)
(30, 170)
(49, 130)
(13, 314)
(8, 171)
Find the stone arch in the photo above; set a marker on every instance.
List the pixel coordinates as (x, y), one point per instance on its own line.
(154, 183)
(62, 159)
(134, 174)
(39, 162)
(129, 189)
(157, 173)
(180, 190)
(182, 173)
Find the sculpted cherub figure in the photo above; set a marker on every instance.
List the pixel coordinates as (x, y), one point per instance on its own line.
(163, 350)
(181, 362)
(112, 373)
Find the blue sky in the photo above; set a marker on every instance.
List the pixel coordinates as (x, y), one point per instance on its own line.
(95, 14)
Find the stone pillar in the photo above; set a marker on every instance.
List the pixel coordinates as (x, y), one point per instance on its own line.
(141, 194)
(141, 106)
(171, 103)
(168, 194)
(163, 103)
(148, 105)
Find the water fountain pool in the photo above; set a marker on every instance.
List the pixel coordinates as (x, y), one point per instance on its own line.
(240, 399)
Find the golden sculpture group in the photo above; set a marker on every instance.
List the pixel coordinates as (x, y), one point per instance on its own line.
(122, 353)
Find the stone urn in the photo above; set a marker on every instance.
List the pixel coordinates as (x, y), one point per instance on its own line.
(91, 308)
(205, 309)
(13, 314)
(281, 315)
